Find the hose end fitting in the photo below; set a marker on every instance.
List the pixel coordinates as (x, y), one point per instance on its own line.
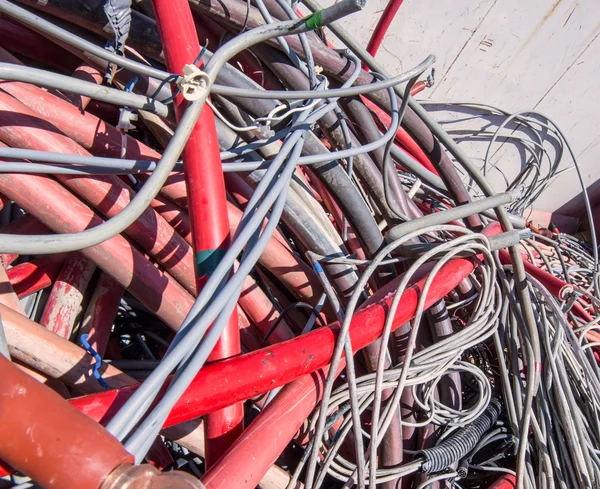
(145, 476)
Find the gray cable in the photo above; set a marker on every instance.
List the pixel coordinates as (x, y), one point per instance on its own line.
(94, 91)
(459, 212)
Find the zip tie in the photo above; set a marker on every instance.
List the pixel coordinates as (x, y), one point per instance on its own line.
(190, 83)
(97, 363)
(315, 20)
(126, 118)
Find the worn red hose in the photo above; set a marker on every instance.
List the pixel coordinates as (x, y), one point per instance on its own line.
(44, 437)
(382, 26)
(206, 204)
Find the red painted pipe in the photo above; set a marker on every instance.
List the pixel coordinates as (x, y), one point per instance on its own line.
(382, 26)
(246, 376)
(65, 299)
(28, 278)
(206, 204)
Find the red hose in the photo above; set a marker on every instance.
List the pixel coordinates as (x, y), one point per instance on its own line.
(44, 437)
(61, 211)
(273, 429)
(100, 313)
(245, 376)
(206, 204)
(507, 481)
(28, 278)
(382, 26)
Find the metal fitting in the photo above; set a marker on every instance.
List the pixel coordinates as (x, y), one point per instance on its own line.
(145, 476)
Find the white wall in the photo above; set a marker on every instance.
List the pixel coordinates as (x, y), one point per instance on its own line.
(516, 54)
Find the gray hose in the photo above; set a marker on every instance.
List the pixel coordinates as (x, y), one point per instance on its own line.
(459, 212)
(94, 91)
(331, 93)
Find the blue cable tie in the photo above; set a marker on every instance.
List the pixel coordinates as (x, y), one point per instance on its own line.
(98, 361)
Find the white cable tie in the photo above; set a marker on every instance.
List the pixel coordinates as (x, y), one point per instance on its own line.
(190, 84)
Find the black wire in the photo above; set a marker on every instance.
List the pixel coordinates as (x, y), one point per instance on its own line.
(247, 17)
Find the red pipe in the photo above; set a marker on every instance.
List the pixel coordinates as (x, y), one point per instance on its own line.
(418, 88)
(65, 299)
(28, 278)
(206, 204)
(42, 436)
(382, 26)
(236, 379)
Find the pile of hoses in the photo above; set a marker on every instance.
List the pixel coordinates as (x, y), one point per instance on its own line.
(258, 260)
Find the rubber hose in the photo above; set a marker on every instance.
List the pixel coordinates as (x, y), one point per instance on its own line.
(460, 444)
